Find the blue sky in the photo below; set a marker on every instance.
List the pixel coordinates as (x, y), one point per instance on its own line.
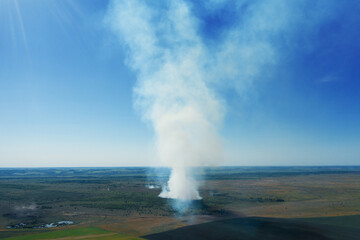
(66, 92)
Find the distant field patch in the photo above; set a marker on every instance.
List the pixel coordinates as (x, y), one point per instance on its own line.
(92, 233)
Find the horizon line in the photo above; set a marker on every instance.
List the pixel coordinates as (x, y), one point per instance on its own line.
(333, 165)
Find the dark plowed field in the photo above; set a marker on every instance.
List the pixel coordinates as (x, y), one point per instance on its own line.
(258, 228)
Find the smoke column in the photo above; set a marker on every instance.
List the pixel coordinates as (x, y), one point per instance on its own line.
(180, 71)
(171, 88)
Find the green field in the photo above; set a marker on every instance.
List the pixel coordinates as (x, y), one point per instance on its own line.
(76, 233)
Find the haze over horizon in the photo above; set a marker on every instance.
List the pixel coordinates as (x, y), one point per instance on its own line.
(66, 92)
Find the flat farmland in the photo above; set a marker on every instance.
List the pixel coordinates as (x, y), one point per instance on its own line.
(119, 200)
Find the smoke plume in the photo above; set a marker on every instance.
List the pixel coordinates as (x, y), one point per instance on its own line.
(171, 89)
(182, 57)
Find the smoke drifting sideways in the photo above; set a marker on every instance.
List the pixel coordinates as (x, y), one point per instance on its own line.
(181, 64)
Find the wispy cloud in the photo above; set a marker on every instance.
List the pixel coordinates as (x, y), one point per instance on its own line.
(328, 79)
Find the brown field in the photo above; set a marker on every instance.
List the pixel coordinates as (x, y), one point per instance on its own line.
(304, 196)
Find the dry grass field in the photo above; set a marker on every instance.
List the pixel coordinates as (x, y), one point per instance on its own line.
(314, 195)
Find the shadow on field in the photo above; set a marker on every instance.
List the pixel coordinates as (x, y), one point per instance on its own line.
(257, 228)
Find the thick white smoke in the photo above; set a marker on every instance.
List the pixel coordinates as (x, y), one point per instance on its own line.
(178, 71)
(171, 89)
